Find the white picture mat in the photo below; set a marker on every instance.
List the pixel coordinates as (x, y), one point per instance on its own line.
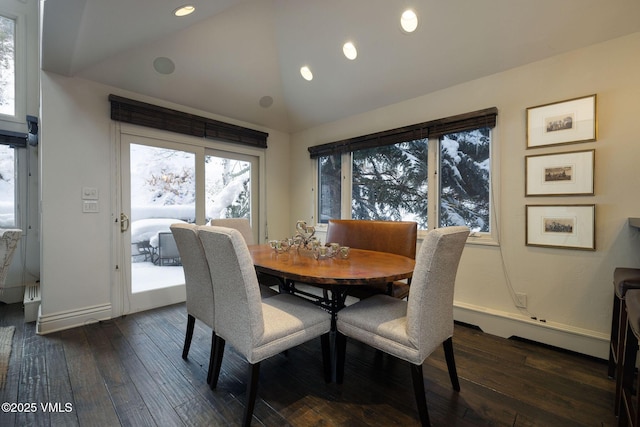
(582, 218)
(581, 164)
(583, 112)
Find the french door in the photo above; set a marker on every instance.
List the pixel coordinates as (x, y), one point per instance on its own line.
(158, 188)
(162, 182)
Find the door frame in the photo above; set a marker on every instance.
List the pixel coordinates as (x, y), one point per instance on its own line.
(120, 282)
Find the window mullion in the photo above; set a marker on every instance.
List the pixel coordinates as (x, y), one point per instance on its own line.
(433, 183)
(347, 185)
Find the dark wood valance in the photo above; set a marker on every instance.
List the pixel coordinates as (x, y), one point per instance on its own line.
(149, 115)
(431, 129)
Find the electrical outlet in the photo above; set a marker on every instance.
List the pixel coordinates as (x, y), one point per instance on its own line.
(521, 300)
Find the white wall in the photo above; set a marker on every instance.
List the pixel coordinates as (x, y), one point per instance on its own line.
(571, 290)
(76, 150)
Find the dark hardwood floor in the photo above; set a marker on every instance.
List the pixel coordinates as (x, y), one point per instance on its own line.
(129, 371)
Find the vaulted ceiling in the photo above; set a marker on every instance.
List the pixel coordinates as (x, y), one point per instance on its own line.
(231, 54)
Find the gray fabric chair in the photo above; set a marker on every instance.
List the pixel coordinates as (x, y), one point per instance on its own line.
(9, 239)
(256, 328)
(244, 227)
(198, 285)
(411, 330)
(241, 224)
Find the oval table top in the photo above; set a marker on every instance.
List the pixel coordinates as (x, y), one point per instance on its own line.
(362, 267)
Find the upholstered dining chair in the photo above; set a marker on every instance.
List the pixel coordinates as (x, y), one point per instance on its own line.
(241, 224)
(255, 328)
(411, 330)
(198, 285)
(396, 237)
(244, 227)
(9, 238)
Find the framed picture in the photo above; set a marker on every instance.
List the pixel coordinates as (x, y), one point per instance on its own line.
(561, 226)
(562, 122)
(562, 174)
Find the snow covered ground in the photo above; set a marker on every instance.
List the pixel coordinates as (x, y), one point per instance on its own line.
(146, 276)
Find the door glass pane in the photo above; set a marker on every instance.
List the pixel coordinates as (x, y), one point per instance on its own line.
(163, 192)
(7, 187)
(227, 188)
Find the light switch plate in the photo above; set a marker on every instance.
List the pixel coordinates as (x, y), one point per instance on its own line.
(89, 206)
(89, 193)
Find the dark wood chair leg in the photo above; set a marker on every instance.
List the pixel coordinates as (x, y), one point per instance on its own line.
(451, 363)
(211, 357)
(252, 391)
(326, 356)
(218, 352)
(627, 366)
(619, 349)
(421, 398)
(615, 337)
(341, 349)
(191, 321)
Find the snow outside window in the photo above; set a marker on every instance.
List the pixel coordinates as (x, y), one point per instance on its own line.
(392, 182)
(7, 186)
(7, 66)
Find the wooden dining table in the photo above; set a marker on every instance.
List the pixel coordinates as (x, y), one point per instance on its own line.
(334, 275)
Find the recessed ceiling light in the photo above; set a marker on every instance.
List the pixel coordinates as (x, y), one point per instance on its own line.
(306, 73)
(185, 10)
(350, 50)
(409, 21)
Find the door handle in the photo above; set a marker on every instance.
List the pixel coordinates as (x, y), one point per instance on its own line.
(124, 222)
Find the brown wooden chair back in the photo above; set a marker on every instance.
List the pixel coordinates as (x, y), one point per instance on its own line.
(396, 237)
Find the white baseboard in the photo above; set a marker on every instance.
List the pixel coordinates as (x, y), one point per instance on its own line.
(507, 325)
(72, 318)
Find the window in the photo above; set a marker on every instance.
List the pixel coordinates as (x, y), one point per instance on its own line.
(465, 179)
(7, 66)
(387, 175)
(390, 182)
(330, 185)
(7, 186)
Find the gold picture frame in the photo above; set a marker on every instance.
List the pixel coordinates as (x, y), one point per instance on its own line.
(561, 226)
(564, 122)
(560, 174)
